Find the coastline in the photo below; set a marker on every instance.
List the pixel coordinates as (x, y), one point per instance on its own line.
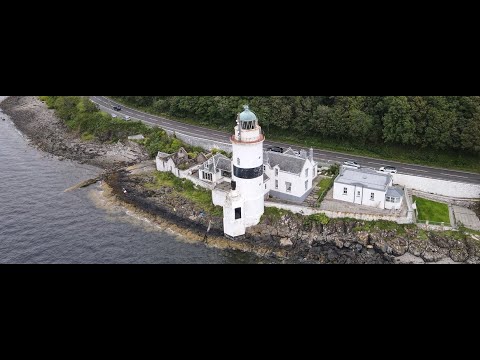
(50, 134)
(288, 237)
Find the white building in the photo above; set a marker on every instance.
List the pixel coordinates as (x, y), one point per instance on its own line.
(247, 175)
(291, 175)
(216, 169)
(178, 163)
(367, 187)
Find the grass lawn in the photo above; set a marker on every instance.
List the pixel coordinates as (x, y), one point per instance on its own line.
(324, 185)
(185, 188)
(432, 210)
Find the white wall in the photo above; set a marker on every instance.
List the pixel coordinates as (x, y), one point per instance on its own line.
(439, 187)
(390, 205)
(379, 199)
(218, 197)
(351, 197)
(338, 192)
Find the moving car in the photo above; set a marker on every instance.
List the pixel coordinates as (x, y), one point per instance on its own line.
(116, 108)
(351, 164)
(275, 149)
(388, 169)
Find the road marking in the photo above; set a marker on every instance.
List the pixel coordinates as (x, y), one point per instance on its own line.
(465, 177)
(416, 170)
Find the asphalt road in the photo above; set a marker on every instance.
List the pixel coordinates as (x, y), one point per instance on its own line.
(323, 156)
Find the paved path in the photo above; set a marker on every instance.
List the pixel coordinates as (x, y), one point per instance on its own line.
(467, 217)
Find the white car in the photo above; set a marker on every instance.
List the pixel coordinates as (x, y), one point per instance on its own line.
(388, 169)
(114, 116)
(127, 118)
(351, 164)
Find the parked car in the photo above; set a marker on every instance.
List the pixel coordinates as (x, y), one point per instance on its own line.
(127, 118)
(352, 164)
(114, 116)
(116, 108)
(388, 169)
(275, 149)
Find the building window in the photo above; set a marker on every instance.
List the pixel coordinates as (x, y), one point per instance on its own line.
(306, 185)
(238, 213)
(288, 186)
(207, 176)
(276, 184)
(306, 173)
(238, 161)
(276, 172)
(264, 168)
(345, 191)
(265, 186)
(392, 199)
(372, 196)
(358, 193)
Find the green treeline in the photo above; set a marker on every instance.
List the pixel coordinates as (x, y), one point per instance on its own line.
(83, 116)
(450, 123)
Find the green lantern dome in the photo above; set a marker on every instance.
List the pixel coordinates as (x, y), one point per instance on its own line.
(247, 115)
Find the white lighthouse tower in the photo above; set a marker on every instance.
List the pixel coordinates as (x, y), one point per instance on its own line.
(244, 205)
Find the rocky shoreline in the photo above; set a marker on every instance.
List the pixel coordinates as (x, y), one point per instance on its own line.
(288, 237)
(50, 134)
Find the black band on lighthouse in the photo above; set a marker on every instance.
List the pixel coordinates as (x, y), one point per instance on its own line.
(248, 173)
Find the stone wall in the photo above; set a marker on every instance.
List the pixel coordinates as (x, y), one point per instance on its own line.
(438, 187)
(337, 214)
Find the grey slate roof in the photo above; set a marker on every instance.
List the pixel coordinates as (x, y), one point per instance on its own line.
(395, 192)
(162, 155)
(221, 162)
(286, 162)
(367, 178)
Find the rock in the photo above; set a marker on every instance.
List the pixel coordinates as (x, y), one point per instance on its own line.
(338, 243)
(399, 246)
(363, 238)
(286, 242)
(358, 247)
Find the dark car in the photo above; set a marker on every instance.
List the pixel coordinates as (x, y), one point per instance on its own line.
(275, 149)
(117, 108)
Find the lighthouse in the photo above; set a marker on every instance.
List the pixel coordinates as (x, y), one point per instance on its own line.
(244, 205)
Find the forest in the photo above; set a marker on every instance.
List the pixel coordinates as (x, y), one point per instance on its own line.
(439, 123)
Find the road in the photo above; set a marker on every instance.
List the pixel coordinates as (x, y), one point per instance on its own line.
(323, 156)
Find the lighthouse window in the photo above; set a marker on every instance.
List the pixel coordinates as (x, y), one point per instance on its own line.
(238, 161)
(238, 213)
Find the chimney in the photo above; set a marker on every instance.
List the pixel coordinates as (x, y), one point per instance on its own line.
(311, 154)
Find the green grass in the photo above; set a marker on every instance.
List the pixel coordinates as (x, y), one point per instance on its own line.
(412, 155)
(373, 226)
(87, 136)
(274, 214)
(186, 189)
(324, 185)
(432, 211)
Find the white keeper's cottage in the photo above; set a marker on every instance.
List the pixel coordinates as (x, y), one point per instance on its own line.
(367, 187)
